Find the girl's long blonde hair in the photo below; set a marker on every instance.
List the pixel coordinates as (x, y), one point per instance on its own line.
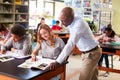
(40, 39)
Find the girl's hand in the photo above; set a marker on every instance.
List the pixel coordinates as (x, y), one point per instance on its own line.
(34, 58)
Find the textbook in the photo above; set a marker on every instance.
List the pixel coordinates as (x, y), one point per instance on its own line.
(4, 58)
(10, 56)
(41, 63)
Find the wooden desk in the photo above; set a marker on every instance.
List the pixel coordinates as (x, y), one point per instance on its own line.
(117, 52)
(10, 71)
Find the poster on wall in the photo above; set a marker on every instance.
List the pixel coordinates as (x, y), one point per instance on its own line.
(76, 5)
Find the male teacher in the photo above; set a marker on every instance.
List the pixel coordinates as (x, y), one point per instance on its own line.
(81, 36)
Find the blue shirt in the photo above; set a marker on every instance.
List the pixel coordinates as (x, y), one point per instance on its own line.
(81, 36)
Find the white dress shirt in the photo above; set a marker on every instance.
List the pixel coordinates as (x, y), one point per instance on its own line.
(81, 36)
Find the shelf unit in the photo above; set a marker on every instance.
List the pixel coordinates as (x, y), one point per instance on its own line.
(14, 12)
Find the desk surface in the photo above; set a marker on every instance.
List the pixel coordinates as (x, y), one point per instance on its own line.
(107, 46)
(61, 32)
(116, 51)
(9, 68)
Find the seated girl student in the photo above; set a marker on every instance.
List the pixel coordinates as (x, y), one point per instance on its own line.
(19, 43)
(49, 46)
(4, 33)
(108, 36)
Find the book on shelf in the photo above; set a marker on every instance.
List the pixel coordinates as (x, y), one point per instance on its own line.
(41, 63)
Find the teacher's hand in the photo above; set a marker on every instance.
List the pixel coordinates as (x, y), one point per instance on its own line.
(53, 65)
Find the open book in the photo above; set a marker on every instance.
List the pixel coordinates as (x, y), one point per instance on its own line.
(10, 56)
(4, 58)
(41, 63)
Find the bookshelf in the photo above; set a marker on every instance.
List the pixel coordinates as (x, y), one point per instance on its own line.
(14, 12)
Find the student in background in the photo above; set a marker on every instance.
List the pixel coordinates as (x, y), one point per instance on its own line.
(19, 43)
(108, 36)
(47, 45)
(4, 33)
(103, 28)
(42, 21)
(56, 26)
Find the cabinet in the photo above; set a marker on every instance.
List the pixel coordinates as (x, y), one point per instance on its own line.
(14, 12)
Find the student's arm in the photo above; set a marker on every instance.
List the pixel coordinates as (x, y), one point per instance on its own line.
(100, 38)
(26, 48)
(7, 37)
(35, 51)
(7, 45)
(33, 55)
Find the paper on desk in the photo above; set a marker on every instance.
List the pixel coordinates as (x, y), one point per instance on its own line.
(10, 55)
(15, 55)
(41, 63)
(114, 43)
(5, 57)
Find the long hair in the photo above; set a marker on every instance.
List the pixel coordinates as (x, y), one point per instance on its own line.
(40, 39)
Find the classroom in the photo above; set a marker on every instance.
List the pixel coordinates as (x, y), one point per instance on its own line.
(59, 40)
